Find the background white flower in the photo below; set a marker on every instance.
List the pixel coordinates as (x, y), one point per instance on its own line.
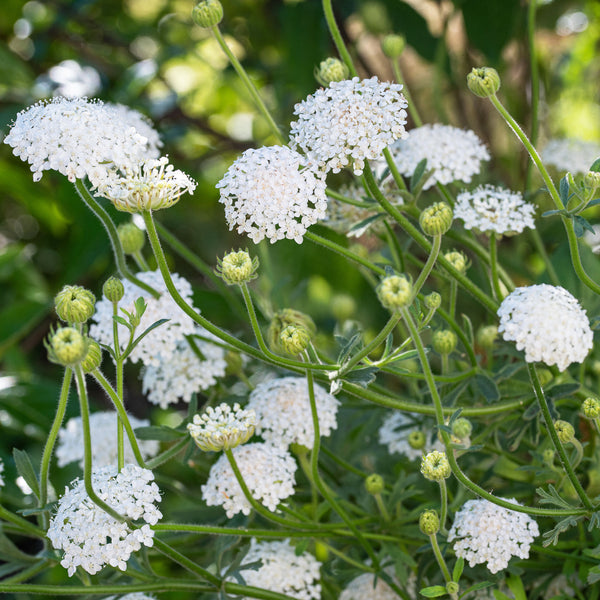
(573, 155)
(396, 430)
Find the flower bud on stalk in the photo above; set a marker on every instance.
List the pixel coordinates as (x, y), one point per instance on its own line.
(74, 304)
(458, 260)
(207, 13)
(374, 484)
(429, 522)
(113, 290)
(432, 301)
(393, 45)
(444, 341)
(66, 346)
(285, 318)
(565, 431)
(132, 237)
(92, 358)
(395, 292)
(331, 69)
(591, 408)
(436, 219)
(435, 466)
(294, 340)
(237, 267)
(417, 440)
(483, 82)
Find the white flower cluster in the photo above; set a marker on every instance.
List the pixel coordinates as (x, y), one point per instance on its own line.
(161, 343)
(487, 533)
(103, 431)
(90, 537)
(494, 209)
(184, 372)
(80, 138)
(363, 587)
(267, 470)
(349, 122)
(548, 323)
(283, 571)
(396, 431)
(573, 155)
(283, 412)
(453, 154)
(270, 192)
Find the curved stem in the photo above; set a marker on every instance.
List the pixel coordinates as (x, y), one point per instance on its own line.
(168, 454)
(535, 81)
(23, 524)
(185, 562)
(494, 266)
(433, 254)
(444, 506)
(412, 108)
(337, 37)
(389, 159)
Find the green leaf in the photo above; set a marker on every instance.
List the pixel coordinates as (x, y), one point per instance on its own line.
(563, 190)
(549, 213)
(26, 470)
(458, 569)
(348, 346)
(145, 333)
(161, 433)
(596, 166)
(487, 386)
(562, 390)
(362, 377)
(594, 574)
(594, 202)
(478, 586)
(552, 497)
(551, 537)
(580, 225)
(418, 174)
(498, 595)
(433, 591)
(361, 227)
(516, 587)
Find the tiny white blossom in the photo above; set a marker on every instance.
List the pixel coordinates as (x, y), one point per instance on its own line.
(90, 537)
(270, 192)
(487, 533)
(349, 122)
(267, 470)
(548, 323)
(573, 155)
(396, 433)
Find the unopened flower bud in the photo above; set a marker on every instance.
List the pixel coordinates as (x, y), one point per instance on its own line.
(207, 13)
(374, 484)
(132, 237)
(393, 45)
(452, 587)
(565, 431)
(591, 408)
(429, 522)
(93, 356)
(294, 339)
(113, 290)
(436, 219)
(486, 336)
(66, 347)
(432, 301)
(237, 267)
(458, 260)
(462, 428)
(435, 466)
(283, 319)
(483, 81)
(444, 341)
(74, 304)
(548, 456)
(395, 292)
(592, 179)
(331, 69)
(416, 440)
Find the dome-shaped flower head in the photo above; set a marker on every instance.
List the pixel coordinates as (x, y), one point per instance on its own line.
(487, 533)
(573, 155)
(546, 322)
(453, 154)
(283, 414)
(349, 122)
(272, 193)
(81, 138)
(89, 536)
(494, 209)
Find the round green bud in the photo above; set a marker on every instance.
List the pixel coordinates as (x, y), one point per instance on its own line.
(207, 13)
(416, 440)
(294, 339)
(331, 69)
(483, 81)
(452, 587)
(462, 428)
(565, 431)
(393, 45)
(429, 522)
(93, 357)
(444, 341)
(283, 319)
(74, 304)
(592, 179)
(435, 466)
(113, 290)
(374, 484)
(66, 347)
(591, 408)
(132, 237)
(432, 301)
(436, 219)
(395, 292)
(486, 336)
(548, 456)
(458, 260)
(321, 551)
(237, 267)
(343, 306)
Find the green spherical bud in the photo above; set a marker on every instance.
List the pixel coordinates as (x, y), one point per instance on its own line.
(283, 319)
(207, 13)
(416, 440)
(343, 306)
(237, 267)
(429, 522)
(93, 357)
(483, 81)
(393, 45)
(591, 408)
(452, 587)
(444, 341)
(548, 456)
(435, 466)
(374, 484)
(395, 292)
(432, 301)
(74, 304)
(565, 431)
(458, 260)
(132, 237)
(462, 428)
(436, 219)
(331, 69)
(592, 179)
(113, 290)
(486, 336)
(294, 339)
(66, 347)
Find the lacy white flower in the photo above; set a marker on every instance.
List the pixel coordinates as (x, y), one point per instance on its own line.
(150, 185)
(546, 322)
(361, 588)
(103, 431)
(186, 371)
(487, 533)
(161, 343)
(453, 154)
(222, 428)
(283, 412)
(267, 470)
(349, 122)
(404, 436)
(270, 192)
(494, 209)
(283, 571)
(575, 156)
(90, 537)
(80, 138)
(68, 78)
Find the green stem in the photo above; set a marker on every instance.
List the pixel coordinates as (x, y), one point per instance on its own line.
(53, 590)
(25, 526)
(185, 562)
(120, 423)
(389, 159)
(27, 573)
(168, 454)
(140, 261)
(535, 81)
(337, 37)
(444, 506)
(382, 508)
(494, 266)
(441, 562)
(433, 254)
(412, 108)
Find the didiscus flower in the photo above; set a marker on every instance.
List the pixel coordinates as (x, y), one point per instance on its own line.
(548, 323)
(271, 192)
(573, 155)
(349, 122)
(487, 533)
